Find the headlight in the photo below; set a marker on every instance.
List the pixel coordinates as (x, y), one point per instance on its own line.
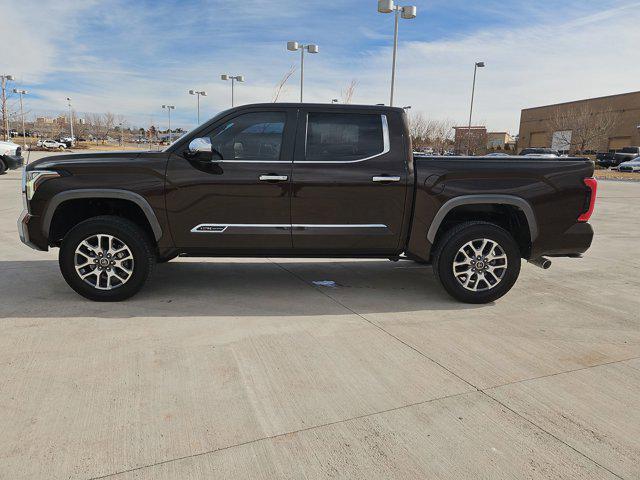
(32, 179)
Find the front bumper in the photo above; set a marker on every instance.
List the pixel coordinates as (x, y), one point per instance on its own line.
(23, 230)
(14, 161)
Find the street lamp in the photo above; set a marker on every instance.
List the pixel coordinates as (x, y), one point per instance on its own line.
(21, 93)
(5, 117)
(408, 13)
(311, 48)
(169, 108)
(473, 92)
(239, 78)
(197, 94)
(73, 140)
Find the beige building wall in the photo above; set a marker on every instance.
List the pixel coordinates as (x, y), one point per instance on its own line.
(536, 129)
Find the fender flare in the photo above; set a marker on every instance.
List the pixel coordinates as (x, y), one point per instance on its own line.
(512, 200)
(61, 197)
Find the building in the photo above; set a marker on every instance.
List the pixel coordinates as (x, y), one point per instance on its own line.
(594, 124)
(473, 139)
(499, 141)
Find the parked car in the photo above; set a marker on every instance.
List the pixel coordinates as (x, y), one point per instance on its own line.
(605, 159)
(630, 166)
(305, 180)
(497, 154)
(10, 156)
(51, 144)
(626, 154)
(540, 152)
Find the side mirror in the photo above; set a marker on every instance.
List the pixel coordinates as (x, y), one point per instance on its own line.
(200, 145)
(201, 149)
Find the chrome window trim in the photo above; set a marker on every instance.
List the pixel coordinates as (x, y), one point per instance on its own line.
(386, 145)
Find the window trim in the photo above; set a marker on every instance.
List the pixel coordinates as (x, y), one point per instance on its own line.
(386, 147)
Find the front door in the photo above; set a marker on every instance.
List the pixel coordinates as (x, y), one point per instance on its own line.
(349, 182)
(241, 201)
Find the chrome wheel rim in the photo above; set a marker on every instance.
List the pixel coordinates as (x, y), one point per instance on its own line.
(480, 265)
(103, 261)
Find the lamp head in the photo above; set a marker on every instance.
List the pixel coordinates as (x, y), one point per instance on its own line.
(292, 46)
(480, 64)
(224, 77)
(409, 12)
(385, 6)
(240, 78)
(313, 48)
(192, 92)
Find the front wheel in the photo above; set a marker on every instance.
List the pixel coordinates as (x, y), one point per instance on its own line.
(477, 262)
(106, 258)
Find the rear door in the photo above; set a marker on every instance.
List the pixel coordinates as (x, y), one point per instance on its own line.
(241, 202)
(349, 182)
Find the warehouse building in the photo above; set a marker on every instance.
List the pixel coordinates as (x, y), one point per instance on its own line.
(596, 124)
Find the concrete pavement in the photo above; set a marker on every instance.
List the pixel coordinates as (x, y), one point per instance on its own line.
(227, 368)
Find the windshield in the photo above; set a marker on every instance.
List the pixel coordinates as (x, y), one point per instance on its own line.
(630, 150)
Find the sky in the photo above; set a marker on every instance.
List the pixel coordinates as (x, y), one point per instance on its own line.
(130, 57)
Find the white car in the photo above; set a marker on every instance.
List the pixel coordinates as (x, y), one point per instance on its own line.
(51, 144)
(630, 166)
(10, 156)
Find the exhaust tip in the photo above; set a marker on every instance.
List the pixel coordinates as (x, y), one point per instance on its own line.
(542, 262)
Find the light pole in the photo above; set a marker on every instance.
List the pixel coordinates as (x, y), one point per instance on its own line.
(73, 140)
(197, 94)
(5, 118)
(473, 92)
(239, 78)
(121, 131)
(311, 48)
(408, 13)
(169, 108)
(21, 93)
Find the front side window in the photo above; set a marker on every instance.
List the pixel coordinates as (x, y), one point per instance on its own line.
(251, 136)
(335, 137)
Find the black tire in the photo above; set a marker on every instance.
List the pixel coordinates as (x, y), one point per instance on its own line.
(448, 249)
(135, 238)
(3, 166)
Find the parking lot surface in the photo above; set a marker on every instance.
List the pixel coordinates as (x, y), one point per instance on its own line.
(228, 368)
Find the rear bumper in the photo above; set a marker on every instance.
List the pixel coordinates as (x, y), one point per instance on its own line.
(573, 242)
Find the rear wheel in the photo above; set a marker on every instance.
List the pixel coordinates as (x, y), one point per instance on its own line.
(477, 262)
(3, 167)
(106, 258)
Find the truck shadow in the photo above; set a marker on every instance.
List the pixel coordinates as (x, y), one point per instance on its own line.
(250, 287)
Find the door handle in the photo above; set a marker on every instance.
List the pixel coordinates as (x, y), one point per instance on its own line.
(274, 178)
(382, 179)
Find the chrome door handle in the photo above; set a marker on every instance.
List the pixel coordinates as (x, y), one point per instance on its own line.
(385, 179)
(273, 178)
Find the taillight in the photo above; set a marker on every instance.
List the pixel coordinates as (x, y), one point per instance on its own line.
(592, 185)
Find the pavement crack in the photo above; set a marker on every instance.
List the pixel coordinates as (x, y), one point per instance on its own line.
(280, 435)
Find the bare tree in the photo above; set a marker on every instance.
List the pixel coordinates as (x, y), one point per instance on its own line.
(347, 94)
(109, 123)
(437, 134)
(582, 128)
(281, 84)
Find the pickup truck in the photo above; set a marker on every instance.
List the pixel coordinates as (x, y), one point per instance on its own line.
(305, 180)
(625, 154)
(10, 156)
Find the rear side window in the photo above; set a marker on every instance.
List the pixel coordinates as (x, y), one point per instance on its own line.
(340, 137)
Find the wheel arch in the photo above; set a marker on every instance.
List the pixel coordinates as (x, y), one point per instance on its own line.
(101, 194)
(457, 204)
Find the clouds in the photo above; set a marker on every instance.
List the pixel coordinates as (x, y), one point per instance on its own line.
(130, 57)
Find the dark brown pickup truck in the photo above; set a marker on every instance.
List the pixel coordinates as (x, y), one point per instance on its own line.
(303, 180)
